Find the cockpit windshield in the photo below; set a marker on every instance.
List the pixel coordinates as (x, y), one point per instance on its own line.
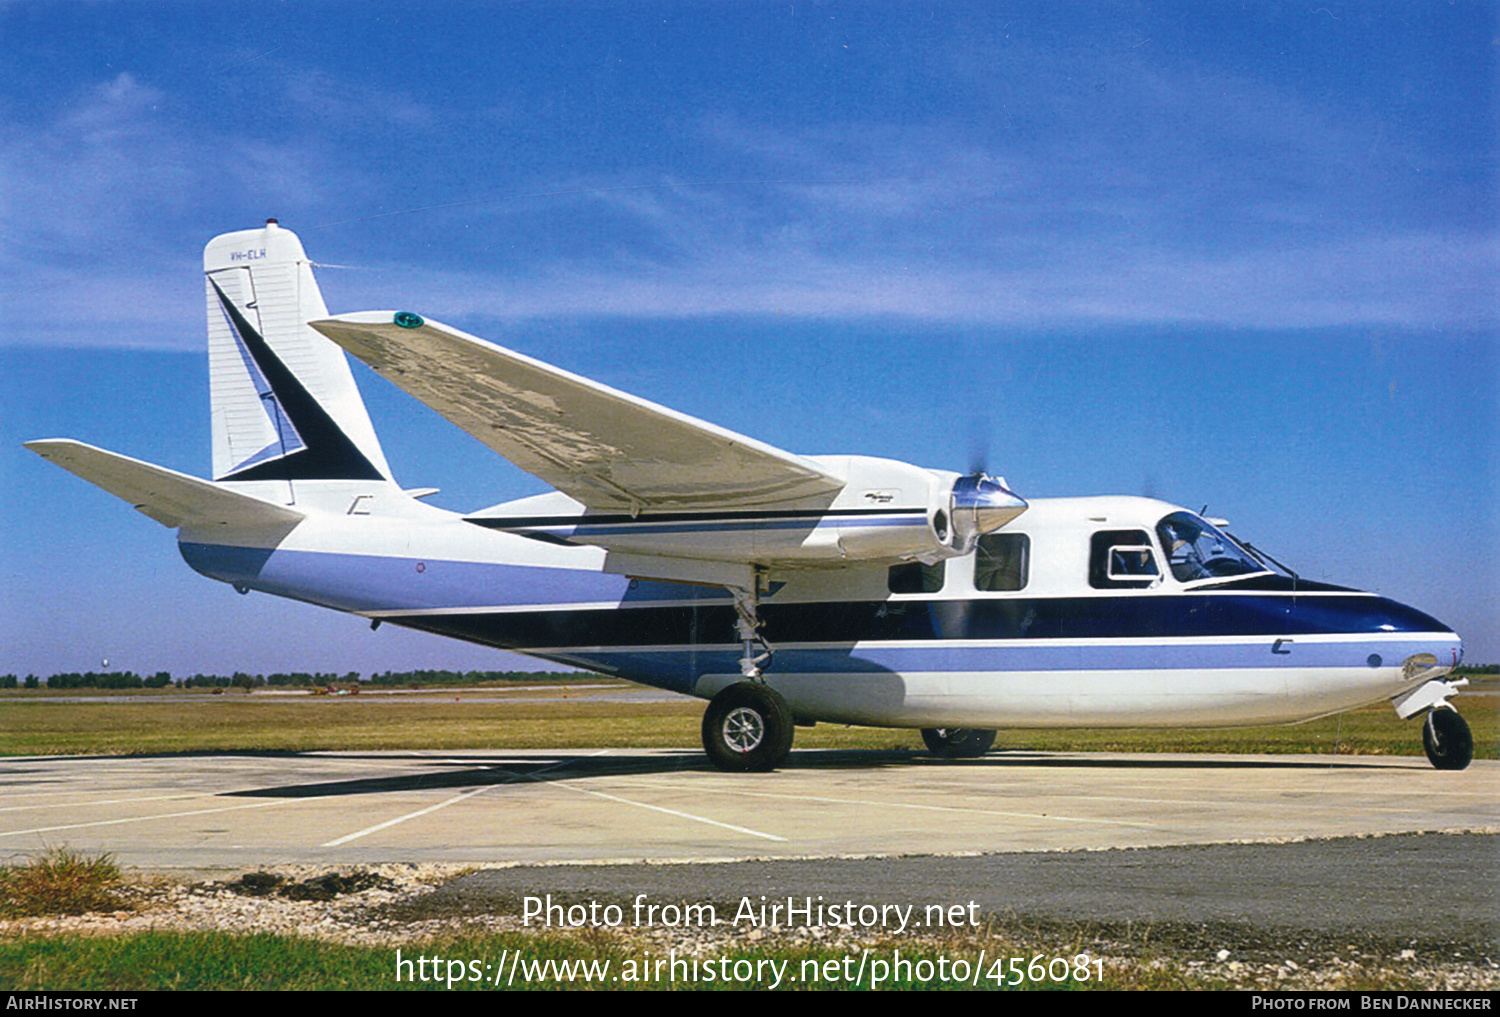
(1198, 550)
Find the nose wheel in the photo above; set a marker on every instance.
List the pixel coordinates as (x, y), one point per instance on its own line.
(1447, 739)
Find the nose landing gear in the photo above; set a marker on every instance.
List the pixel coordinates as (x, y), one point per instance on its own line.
(1445, 735)
(1447, 739)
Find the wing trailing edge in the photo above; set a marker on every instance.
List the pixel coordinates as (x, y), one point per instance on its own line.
(171, 498)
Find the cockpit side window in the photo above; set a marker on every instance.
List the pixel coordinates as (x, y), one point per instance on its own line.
(1196, 549)
(915, 577)
(1001, 562)
(1122, 559)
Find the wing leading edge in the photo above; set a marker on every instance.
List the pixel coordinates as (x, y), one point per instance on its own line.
(607, 449)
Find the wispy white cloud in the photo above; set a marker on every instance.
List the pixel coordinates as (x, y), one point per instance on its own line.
(1171, 194)
(107, 203)
(343, 104)
(1415, 281)
(64, 181)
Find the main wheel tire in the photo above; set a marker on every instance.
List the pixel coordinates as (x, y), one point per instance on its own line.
(957, 742)
(747, 728)
(1447, 739)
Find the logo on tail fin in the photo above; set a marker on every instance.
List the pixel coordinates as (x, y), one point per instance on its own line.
(309, 444)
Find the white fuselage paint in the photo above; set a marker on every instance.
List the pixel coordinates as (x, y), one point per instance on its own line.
(368, 549)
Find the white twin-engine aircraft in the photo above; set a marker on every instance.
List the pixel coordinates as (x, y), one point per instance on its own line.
(784, 589)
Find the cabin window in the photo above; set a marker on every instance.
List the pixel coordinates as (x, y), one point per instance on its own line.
(1122, 559)
(915, 577)
(1001, 562)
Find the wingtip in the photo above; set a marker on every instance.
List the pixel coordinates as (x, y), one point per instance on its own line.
(358, 318)
(42, 446)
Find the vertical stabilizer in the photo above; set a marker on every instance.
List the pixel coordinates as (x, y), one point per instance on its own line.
(285, 406)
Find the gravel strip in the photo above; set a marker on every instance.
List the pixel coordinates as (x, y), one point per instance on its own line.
(381, 906)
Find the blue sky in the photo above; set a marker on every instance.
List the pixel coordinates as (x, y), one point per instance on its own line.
(1242, 257)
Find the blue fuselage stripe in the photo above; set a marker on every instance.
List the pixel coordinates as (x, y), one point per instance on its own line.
(1169, 616)
(667, 634)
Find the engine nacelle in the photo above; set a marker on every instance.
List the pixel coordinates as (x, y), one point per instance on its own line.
(958, 510)
(887, 511)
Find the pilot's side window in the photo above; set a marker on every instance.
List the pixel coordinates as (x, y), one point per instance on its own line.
(915, 577)
(1122, 559)
(1001, 562)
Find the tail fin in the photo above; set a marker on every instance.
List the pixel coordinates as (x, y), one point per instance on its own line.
(285, 406)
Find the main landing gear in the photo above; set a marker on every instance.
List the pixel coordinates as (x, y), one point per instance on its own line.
(1447, 739)
(957, 742)
(747, 728)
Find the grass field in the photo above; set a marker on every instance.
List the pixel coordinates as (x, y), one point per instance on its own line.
(178, 721)
(1049, 959)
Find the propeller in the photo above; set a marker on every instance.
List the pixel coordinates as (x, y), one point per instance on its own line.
(979, 445)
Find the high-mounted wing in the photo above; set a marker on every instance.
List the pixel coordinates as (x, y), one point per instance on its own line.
(609, 450)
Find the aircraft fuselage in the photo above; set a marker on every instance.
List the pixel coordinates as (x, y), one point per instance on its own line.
(907, 645)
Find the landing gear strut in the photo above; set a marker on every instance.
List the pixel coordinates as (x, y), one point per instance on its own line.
(957, 742)
(1447, 739)
(748, 726)
(748, 625)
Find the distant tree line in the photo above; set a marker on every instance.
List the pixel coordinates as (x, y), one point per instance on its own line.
(302, 679)
(296, 679)
(89, 680)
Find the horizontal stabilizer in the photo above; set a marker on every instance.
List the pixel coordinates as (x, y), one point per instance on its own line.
(609, 450)
(171, 498)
